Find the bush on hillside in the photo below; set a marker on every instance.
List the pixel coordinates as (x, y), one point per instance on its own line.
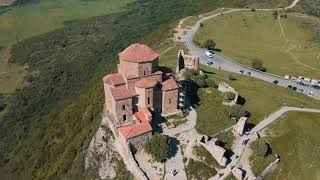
(209, 44)
(258, 65)
(159, 147)
(261, 148)
(237, 112)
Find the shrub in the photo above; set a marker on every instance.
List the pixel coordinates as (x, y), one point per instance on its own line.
(237, 112)
(158, 146)
(209, 44)
(260, 147)
(2, 106)
(258, 65)
(211, 83)
(231, 77)
(229, 96)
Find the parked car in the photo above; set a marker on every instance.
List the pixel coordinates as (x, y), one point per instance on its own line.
(209, 54)
(294, 88)
(300, 90)
(289, 87)
(249, 73)
(209, 63)
(311, 93)
(241, 71)
(275, 82)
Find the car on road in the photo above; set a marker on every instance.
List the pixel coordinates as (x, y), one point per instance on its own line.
(294, 88)
(209, 63)
(209, 54)
(311, 93)
(300, 90)
(249, 73)
(275, 82)
(241, 71)
(289, 87)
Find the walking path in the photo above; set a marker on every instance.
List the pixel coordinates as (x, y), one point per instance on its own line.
(242, 151)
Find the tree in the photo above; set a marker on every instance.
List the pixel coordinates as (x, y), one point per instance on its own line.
(258, 65)
(159, 147)
(237, 112)
(261, 148)
(209, 44)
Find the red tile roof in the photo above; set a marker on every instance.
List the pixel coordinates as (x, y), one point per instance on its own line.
(142, 127)
(138, 53)
(144, 114)
(114, 79)
(169, 84)
(122, 93)
(146, 83)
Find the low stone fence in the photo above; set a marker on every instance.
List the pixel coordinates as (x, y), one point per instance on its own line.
(272, 166)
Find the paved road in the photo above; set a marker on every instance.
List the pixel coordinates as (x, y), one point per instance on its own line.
(227, 64)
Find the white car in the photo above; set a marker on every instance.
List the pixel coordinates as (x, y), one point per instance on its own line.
(209, 54)
(311, 93)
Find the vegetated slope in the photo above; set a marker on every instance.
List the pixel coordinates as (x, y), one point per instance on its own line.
(20, 22)
(48, 124)
(295, 137)
(311, 7)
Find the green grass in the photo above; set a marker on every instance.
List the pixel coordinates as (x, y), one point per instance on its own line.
(244, 36)
(32, 19)
(205, 156)
(262, 98)
(295, 137)
(11, 75)
(227, 138)
(259, 162)
(199, 170)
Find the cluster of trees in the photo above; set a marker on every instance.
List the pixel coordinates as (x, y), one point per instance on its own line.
(159, 147)
(201, 80)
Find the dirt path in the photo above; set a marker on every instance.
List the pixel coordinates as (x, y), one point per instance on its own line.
(292, 47)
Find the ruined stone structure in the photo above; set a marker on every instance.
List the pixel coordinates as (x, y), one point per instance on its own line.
(239, 127)
(224, 88)
(138, 89)
(216, 151)
(186, 61)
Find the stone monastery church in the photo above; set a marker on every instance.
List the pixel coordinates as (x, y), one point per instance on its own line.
(138, 89)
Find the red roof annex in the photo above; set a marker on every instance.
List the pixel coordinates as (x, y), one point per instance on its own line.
(169, 84)
(143, 126)
(114, 79)
(146, 83)
(122, 93)
(138, 53)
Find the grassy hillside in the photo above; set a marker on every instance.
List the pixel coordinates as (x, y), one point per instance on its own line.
(295, 137)
(36, 18)
(290, 46)
(46, 128)
(260, 98)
